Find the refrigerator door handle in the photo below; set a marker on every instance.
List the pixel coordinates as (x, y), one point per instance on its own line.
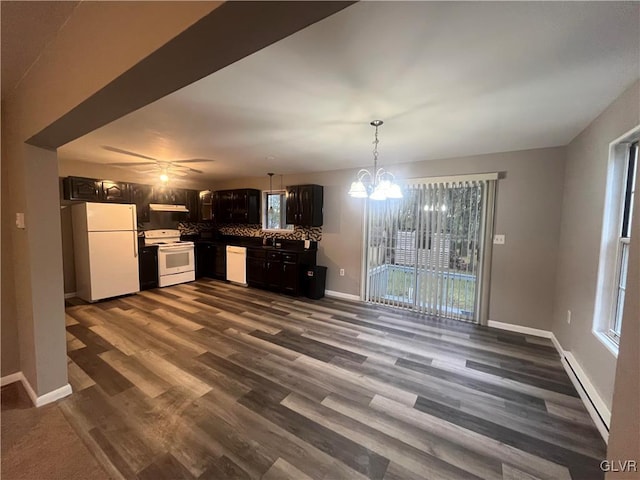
(135, 232)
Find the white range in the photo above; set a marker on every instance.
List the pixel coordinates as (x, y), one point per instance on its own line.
(176, 259)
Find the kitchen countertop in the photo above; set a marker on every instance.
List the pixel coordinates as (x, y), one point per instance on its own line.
(258, 245)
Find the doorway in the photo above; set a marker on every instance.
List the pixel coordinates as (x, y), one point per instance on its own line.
(427, 251)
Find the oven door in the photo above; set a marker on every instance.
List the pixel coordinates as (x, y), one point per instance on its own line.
(176, 259)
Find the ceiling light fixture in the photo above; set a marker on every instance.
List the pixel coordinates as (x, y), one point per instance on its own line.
(377, 184)
(270, 189)
(164, 178)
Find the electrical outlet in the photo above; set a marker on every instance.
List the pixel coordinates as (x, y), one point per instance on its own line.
(342, 272)
(498, 239)
(569, 317)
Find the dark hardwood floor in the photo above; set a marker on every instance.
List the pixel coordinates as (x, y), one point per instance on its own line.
(209, 380)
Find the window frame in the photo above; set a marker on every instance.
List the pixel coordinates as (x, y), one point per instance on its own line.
(605, 327)
(283, 211)
(624, 240)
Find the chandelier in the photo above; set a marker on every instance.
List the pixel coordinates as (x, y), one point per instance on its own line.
(377, 184)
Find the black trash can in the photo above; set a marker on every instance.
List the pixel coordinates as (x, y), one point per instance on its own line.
(315, 279)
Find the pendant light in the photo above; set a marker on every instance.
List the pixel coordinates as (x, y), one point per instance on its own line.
(377, 184)
(270, 189)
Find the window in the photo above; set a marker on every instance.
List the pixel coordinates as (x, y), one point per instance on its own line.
(274, 216)
(624, 239)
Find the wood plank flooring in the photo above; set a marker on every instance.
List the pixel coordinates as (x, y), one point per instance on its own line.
(208, 380)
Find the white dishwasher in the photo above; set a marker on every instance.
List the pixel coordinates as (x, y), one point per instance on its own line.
(237, 265)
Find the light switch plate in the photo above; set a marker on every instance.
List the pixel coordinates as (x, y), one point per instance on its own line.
(20, 220)
(498, 239)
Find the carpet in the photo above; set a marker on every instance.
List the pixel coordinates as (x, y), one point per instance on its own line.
(39, 443)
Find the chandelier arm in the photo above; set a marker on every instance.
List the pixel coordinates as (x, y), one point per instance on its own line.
(363, 173)
(381, 183)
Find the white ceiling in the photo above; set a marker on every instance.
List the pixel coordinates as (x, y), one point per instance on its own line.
(448, 78)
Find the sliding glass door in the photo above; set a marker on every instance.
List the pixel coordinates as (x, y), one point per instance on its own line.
(425, 252)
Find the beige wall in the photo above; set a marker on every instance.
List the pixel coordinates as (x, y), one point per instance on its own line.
(528, 209)
(10, 361)
(581, 231)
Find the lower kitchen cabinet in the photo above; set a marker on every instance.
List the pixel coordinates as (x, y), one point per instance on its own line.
(148, 267)
(291, 278)
(205, 260)
(256, 267)
(220, 264)
(278, 271)
(273, 272)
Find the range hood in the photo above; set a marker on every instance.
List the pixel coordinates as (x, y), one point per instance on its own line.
(163, 207)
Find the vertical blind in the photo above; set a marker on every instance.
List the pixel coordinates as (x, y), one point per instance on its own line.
(425, 251)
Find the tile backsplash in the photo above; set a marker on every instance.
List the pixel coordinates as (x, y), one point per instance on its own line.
(298, 232)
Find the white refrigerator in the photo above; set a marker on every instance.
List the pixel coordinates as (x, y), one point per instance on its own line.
(105, 243)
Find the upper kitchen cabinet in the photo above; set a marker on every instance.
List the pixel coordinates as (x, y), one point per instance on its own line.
(114, 192)
(205, 205)
(237, 206)
(169, 196)
(246, 206)
(304, 205)
(82, 189)
(192, 202)
(141, 195)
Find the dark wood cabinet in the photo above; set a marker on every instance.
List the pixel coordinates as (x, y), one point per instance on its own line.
(109, 191)
(141, 195)
(256, 267)
(237, 206)
(224, 206)
(205, 205)
(304, 205)
(205, 260)
(291, 278)
(169, 196)
(192, 202)
(278, 271)
(273, 273)
(82, 189)
(114, 192)
(220, 266)
(148, 267)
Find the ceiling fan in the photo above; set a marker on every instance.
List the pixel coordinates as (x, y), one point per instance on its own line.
(164, 168)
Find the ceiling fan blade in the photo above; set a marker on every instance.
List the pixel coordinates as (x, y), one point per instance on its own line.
(127, 152)
(129, 164)
(194, 160)
(182, 168)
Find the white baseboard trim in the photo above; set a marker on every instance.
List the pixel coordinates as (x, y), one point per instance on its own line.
(344, 296)
(11, 378)
(536, 332)
(37, 401)
(70, 295)
(54, 395)
(592, 401)
(596, 407)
